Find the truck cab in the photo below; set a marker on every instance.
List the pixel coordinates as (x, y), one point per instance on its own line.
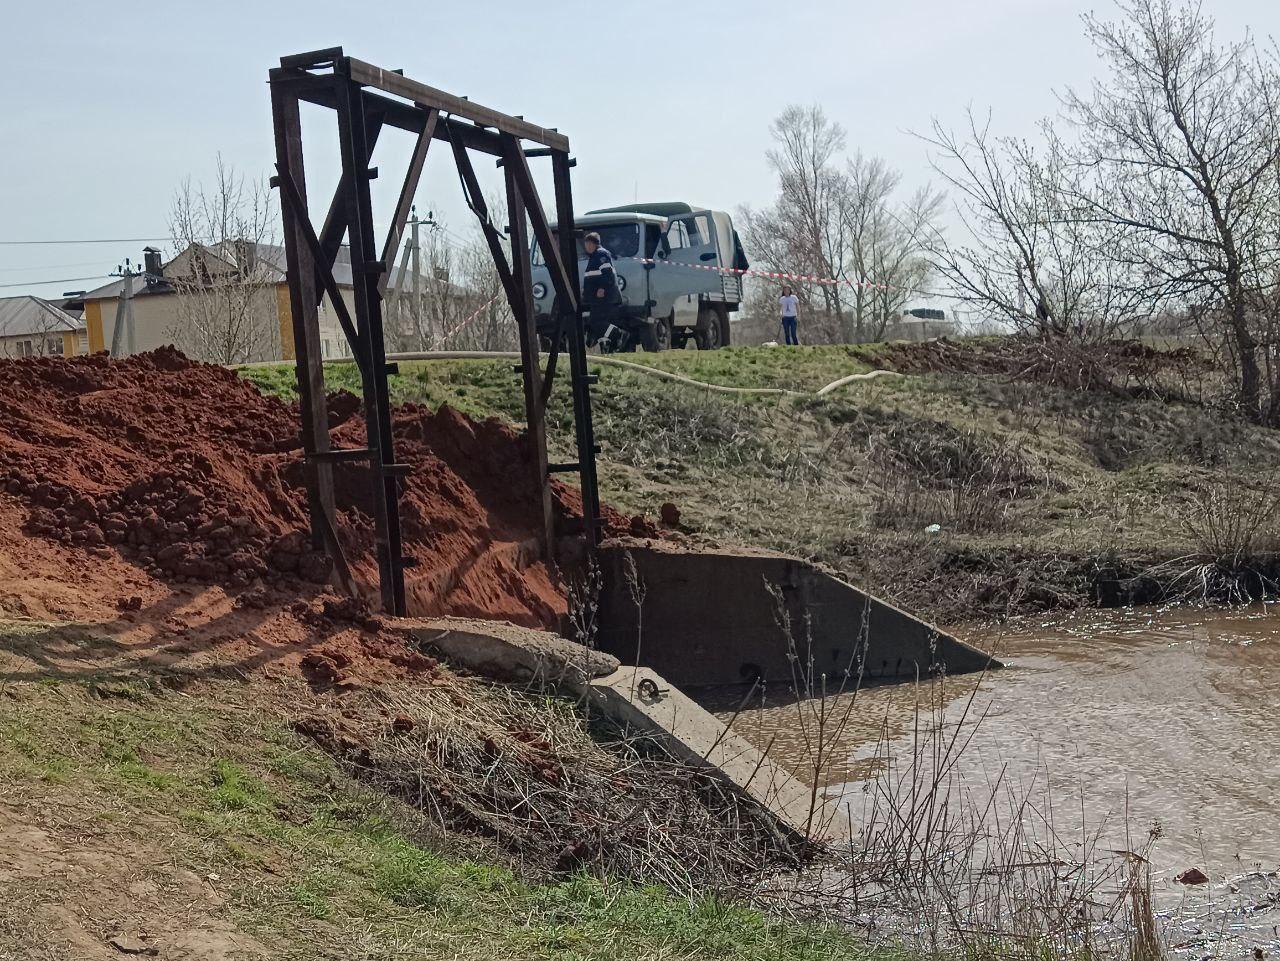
(678, 268)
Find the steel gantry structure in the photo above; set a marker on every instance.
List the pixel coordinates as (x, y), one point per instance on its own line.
(365, 99)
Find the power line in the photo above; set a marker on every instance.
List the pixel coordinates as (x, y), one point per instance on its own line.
(83, 263)
(64, 280)
(109, 240)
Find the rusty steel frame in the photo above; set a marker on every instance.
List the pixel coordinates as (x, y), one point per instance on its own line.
(364, 99)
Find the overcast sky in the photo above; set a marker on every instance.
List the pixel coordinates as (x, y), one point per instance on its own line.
(108, 108)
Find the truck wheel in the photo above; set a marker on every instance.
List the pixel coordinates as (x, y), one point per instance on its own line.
(656, 337)
(710, 333)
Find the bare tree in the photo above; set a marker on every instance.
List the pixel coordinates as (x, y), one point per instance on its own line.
(1025, 257)
(886, 243)
(804, 231)
(424, 307)
(489, 324)
(41, 338)
(837, 218)
(225, 271)
(1180, 149)
(461, 303)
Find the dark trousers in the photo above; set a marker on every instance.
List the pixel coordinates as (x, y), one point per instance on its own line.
(789, 330)
(602, 311)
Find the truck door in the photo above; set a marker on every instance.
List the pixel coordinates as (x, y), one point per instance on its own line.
(692, 244)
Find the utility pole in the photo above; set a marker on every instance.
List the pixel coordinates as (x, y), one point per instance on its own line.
(124, 335)
(412, 254)
(415, 307)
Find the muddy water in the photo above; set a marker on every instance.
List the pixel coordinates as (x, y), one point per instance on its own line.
(1141, 717)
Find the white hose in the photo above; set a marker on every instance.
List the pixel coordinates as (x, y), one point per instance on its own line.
(617, 362)
(852, 378)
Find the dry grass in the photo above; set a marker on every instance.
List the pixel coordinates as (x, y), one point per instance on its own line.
(556, 791)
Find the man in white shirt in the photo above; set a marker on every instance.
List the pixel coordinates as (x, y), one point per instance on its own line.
(790, 304)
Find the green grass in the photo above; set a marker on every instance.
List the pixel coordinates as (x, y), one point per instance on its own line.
(231, 792)
(488, 382)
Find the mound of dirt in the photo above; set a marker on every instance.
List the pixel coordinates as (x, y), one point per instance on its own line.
(1118, 366)
(189, 472)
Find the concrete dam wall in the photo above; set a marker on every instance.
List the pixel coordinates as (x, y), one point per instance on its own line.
(711, 618)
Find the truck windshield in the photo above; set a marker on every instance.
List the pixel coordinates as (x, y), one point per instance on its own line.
(621, 240)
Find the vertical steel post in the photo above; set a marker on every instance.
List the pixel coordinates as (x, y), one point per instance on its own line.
(531, 373)
(303, 301)
(580, 379)
(366, 274)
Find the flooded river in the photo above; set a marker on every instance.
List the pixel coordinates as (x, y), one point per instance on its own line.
(1128, 721)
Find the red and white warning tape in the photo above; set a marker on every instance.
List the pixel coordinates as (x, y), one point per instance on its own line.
(450, 334)
(775, 275)
(766, 274)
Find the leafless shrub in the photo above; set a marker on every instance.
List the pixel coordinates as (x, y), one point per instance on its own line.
(1234, 530)
(1232, 523)
(959, 480)
(522, 770)
(584, 603)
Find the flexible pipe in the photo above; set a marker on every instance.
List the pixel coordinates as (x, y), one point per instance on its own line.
(626, 365)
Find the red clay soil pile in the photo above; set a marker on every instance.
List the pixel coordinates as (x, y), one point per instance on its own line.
(191, 473)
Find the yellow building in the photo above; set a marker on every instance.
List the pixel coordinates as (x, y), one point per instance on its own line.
(227, 304)
(32, 327)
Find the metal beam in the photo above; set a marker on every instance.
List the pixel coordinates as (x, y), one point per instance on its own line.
(579, 376)
(407, 191)
(480, 207)
(319, 90)
(306, 341)
(427, 96)
(527, 329)
(365, 98)
(324, 271)
(335, 222)
(365, 276)
(519, 168)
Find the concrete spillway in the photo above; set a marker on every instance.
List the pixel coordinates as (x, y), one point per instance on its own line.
(710, 618)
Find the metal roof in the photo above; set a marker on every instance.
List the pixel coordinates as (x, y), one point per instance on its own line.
(669, 208)
(271, 255)
(31, 315)
(618, 217)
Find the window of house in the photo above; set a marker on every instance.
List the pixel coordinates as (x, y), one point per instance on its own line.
(25, 348)
(54, 346)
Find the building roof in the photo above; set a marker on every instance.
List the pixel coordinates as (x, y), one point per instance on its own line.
(31, 315)
(269, 256)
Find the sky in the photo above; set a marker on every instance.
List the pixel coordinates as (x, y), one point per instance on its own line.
(108, 109)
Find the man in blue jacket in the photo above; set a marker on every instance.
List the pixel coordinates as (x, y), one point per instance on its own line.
(600, 290)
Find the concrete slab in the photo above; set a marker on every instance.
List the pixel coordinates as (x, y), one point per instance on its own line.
(509, 653)
(638, 698)
(719, 617)
(645, 701)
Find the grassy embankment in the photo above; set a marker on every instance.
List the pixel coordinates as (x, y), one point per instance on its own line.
(1044, 496)
(198, 817)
